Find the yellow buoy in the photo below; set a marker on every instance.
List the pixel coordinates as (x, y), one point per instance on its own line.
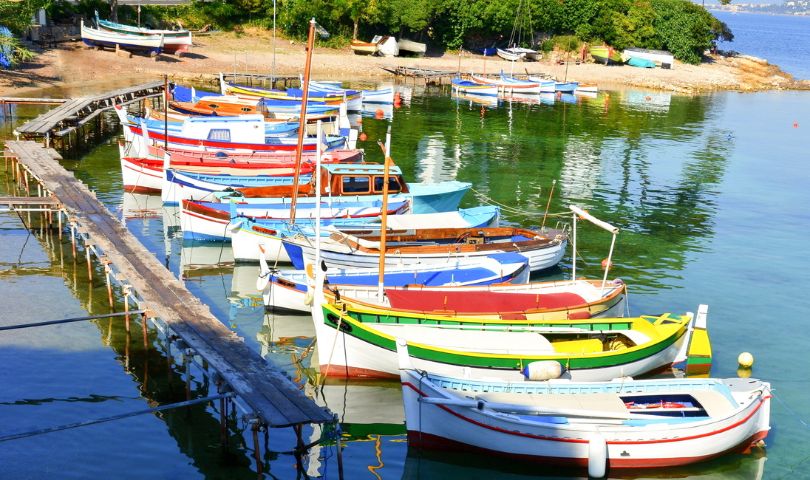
(745, 360)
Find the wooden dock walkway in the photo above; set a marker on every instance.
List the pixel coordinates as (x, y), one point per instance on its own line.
(76, 112)
(274, 398)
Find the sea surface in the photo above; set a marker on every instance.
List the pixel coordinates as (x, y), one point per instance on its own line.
(710, 193)
(783, 40)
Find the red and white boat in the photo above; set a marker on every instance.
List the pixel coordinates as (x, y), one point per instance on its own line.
(598, 426)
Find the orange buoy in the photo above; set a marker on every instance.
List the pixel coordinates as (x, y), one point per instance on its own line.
(397, 99)
(363, 137)
(379, 114)
(606, 263)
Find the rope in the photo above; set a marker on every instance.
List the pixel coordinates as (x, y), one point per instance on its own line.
(16, 436)
(506, 208)
(790, 410)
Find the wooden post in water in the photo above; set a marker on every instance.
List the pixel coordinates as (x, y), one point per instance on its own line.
(256, 455)
(126, 289)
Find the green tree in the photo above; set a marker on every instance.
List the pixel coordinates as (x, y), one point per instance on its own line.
(683, 28)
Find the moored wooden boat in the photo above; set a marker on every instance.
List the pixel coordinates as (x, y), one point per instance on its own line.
(217, 222)
(254, 235)
(288, 289)
(149, 44)
(544, 249)
(473, 88)
(600, 427)
(582, 350)
(556, 300)
(365, 181)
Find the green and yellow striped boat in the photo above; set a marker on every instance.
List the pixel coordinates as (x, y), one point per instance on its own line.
(359, 345)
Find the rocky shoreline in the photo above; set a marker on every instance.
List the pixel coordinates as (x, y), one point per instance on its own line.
(75, 69)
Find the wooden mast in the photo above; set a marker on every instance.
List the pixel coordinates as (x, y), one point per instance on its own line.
(302, 122)
(384, 222)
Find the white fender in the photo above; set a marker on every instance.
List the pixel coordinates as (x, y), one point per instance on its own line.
(597, 456)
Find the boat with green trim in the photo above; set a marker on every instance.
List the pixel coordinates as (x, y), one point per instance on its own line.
(605, 54)
(582, 350)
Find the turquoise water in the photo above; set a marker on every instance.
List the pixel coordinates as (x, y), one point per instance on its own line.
(710, 194)
(783, 40)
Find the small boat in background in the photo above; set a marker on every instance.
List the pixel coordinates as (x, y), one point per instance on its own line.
(598, 426)
(565, 87)
(605, 54)
(174, 41)
(364, 48)
(659, 58)
(516, 54)
(148, 44)
(411, 47)
(640, 62)
(386, 45)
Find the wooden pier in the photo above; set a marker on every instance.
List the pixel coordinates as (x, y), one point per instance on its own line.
(74, 113)
(275, 400)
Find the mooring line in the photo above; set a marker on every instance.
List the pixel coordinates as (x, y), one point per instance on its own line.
(41, 431)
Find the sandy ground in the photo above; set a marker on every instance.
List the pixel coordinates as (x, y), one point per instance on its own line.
(76, 68)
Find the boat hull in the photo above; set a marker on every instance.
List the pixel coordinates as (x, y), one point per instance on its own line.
(585, 444)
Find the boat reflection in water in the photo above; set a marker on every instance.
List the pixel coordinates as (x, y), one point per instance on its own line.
(426, 465)
(473, 100)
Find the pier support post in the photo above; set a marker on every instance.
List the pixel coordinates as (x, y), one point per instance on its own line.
(187, 369)
(144, 330)
(73, 237)
(126, 289)
(256, 455)
(89, 263)
(107, 274)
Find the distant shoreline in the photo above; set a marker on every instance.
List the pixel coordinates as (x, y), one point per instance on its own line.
(75, 68)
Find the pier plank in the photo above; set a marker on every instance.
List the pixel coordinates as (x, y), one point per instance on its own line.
(276, 400)
(74, 112)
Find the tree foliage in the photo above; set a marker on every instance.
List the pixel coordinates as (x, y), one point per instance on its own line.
(681, 26)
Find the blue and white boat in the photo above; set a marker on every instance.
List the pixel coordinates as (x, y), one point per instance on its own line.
(217, 222)
(382, 95)
(290, 289)
(364, 181)
(244, 133)
(271, 129)
(250, 236)
(180, 185)
(544, 249)
(565, 87)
